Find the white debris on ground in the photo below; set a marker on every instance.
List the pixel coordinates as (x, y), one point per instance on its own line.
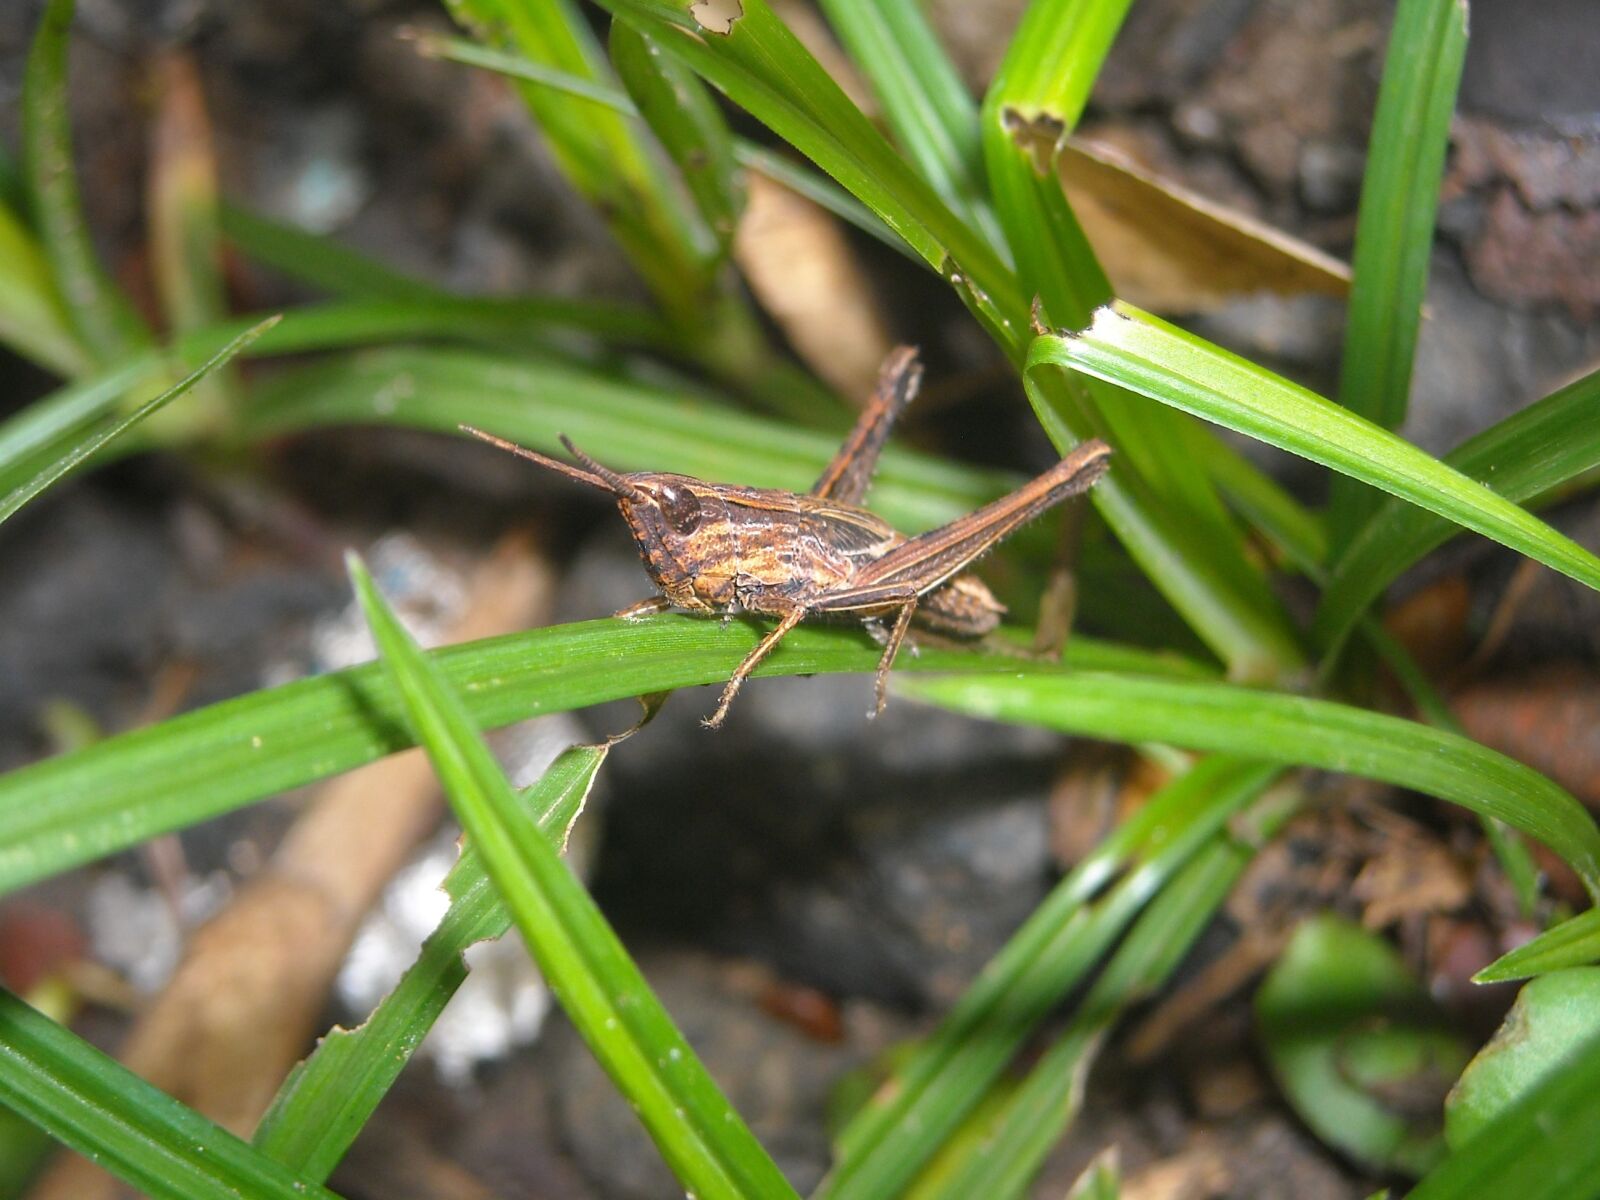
(135, 930)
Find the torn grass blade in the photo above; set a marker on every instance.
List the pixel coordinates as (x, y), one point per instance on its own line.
(702, 1139)
(85, 448)
(329, 1097)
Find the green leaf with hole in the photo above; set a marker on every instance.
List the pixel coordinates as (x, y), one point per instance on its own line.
(328, 1098)
(603, 993)
(1554, 1017)
(104, 1111)
(1545, 1146)
(1159, 499)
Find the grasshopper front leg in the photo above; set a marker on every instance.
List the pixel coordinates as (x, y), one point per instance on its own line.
(752, 660)
(640, 609)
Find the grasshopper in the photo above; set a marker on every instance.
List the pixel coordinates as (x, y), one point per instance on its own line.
(721, 548)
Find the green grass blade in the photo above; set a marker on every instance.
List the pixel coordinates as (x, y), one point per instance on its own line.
(517, 66)
(688, 124)
(763, 69)
(33, 321)
(106, 1112)
(1254, 641)
(320, 261)
(817, 188)
(606, 157)
(1297, 531)
(82, 450)
(40, 432)
(928, 107)
(1302, 539)
(1522, 458)
(1172, 519)
(822, 192)
(107, 797)
(1055, 55)
(1157, 360)
(341, 271)
(1547, 1147)
(1035, 1117)
(44, 430)
(330, 1096)
(1290, 730)
(1394, 228)
(631, 424)
(1101, 1179)
(1573, 943)
(605, 996)
(528, 321)
(1034, 102)
(104, 319)
(912, 1116)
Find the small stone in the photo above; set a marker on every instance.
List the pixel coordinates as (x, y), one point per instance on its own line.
(1330, 176)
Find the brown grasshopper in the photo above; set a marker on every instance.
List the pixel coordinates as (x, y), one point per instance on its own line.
(720, 548)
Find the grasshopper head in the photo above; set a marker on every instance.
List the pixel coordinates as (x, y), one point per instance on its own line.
(665, 513)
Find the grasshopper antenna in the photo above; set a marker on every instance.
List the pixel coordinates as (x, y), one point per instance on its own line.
(615, 482)
(595, 476)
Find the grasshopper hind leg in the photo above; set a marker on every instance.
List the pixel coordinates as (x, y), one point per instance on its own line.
(890, 649)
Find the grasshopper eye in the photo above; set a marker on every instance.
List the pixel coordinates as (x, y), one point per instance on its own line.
(681, 509)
